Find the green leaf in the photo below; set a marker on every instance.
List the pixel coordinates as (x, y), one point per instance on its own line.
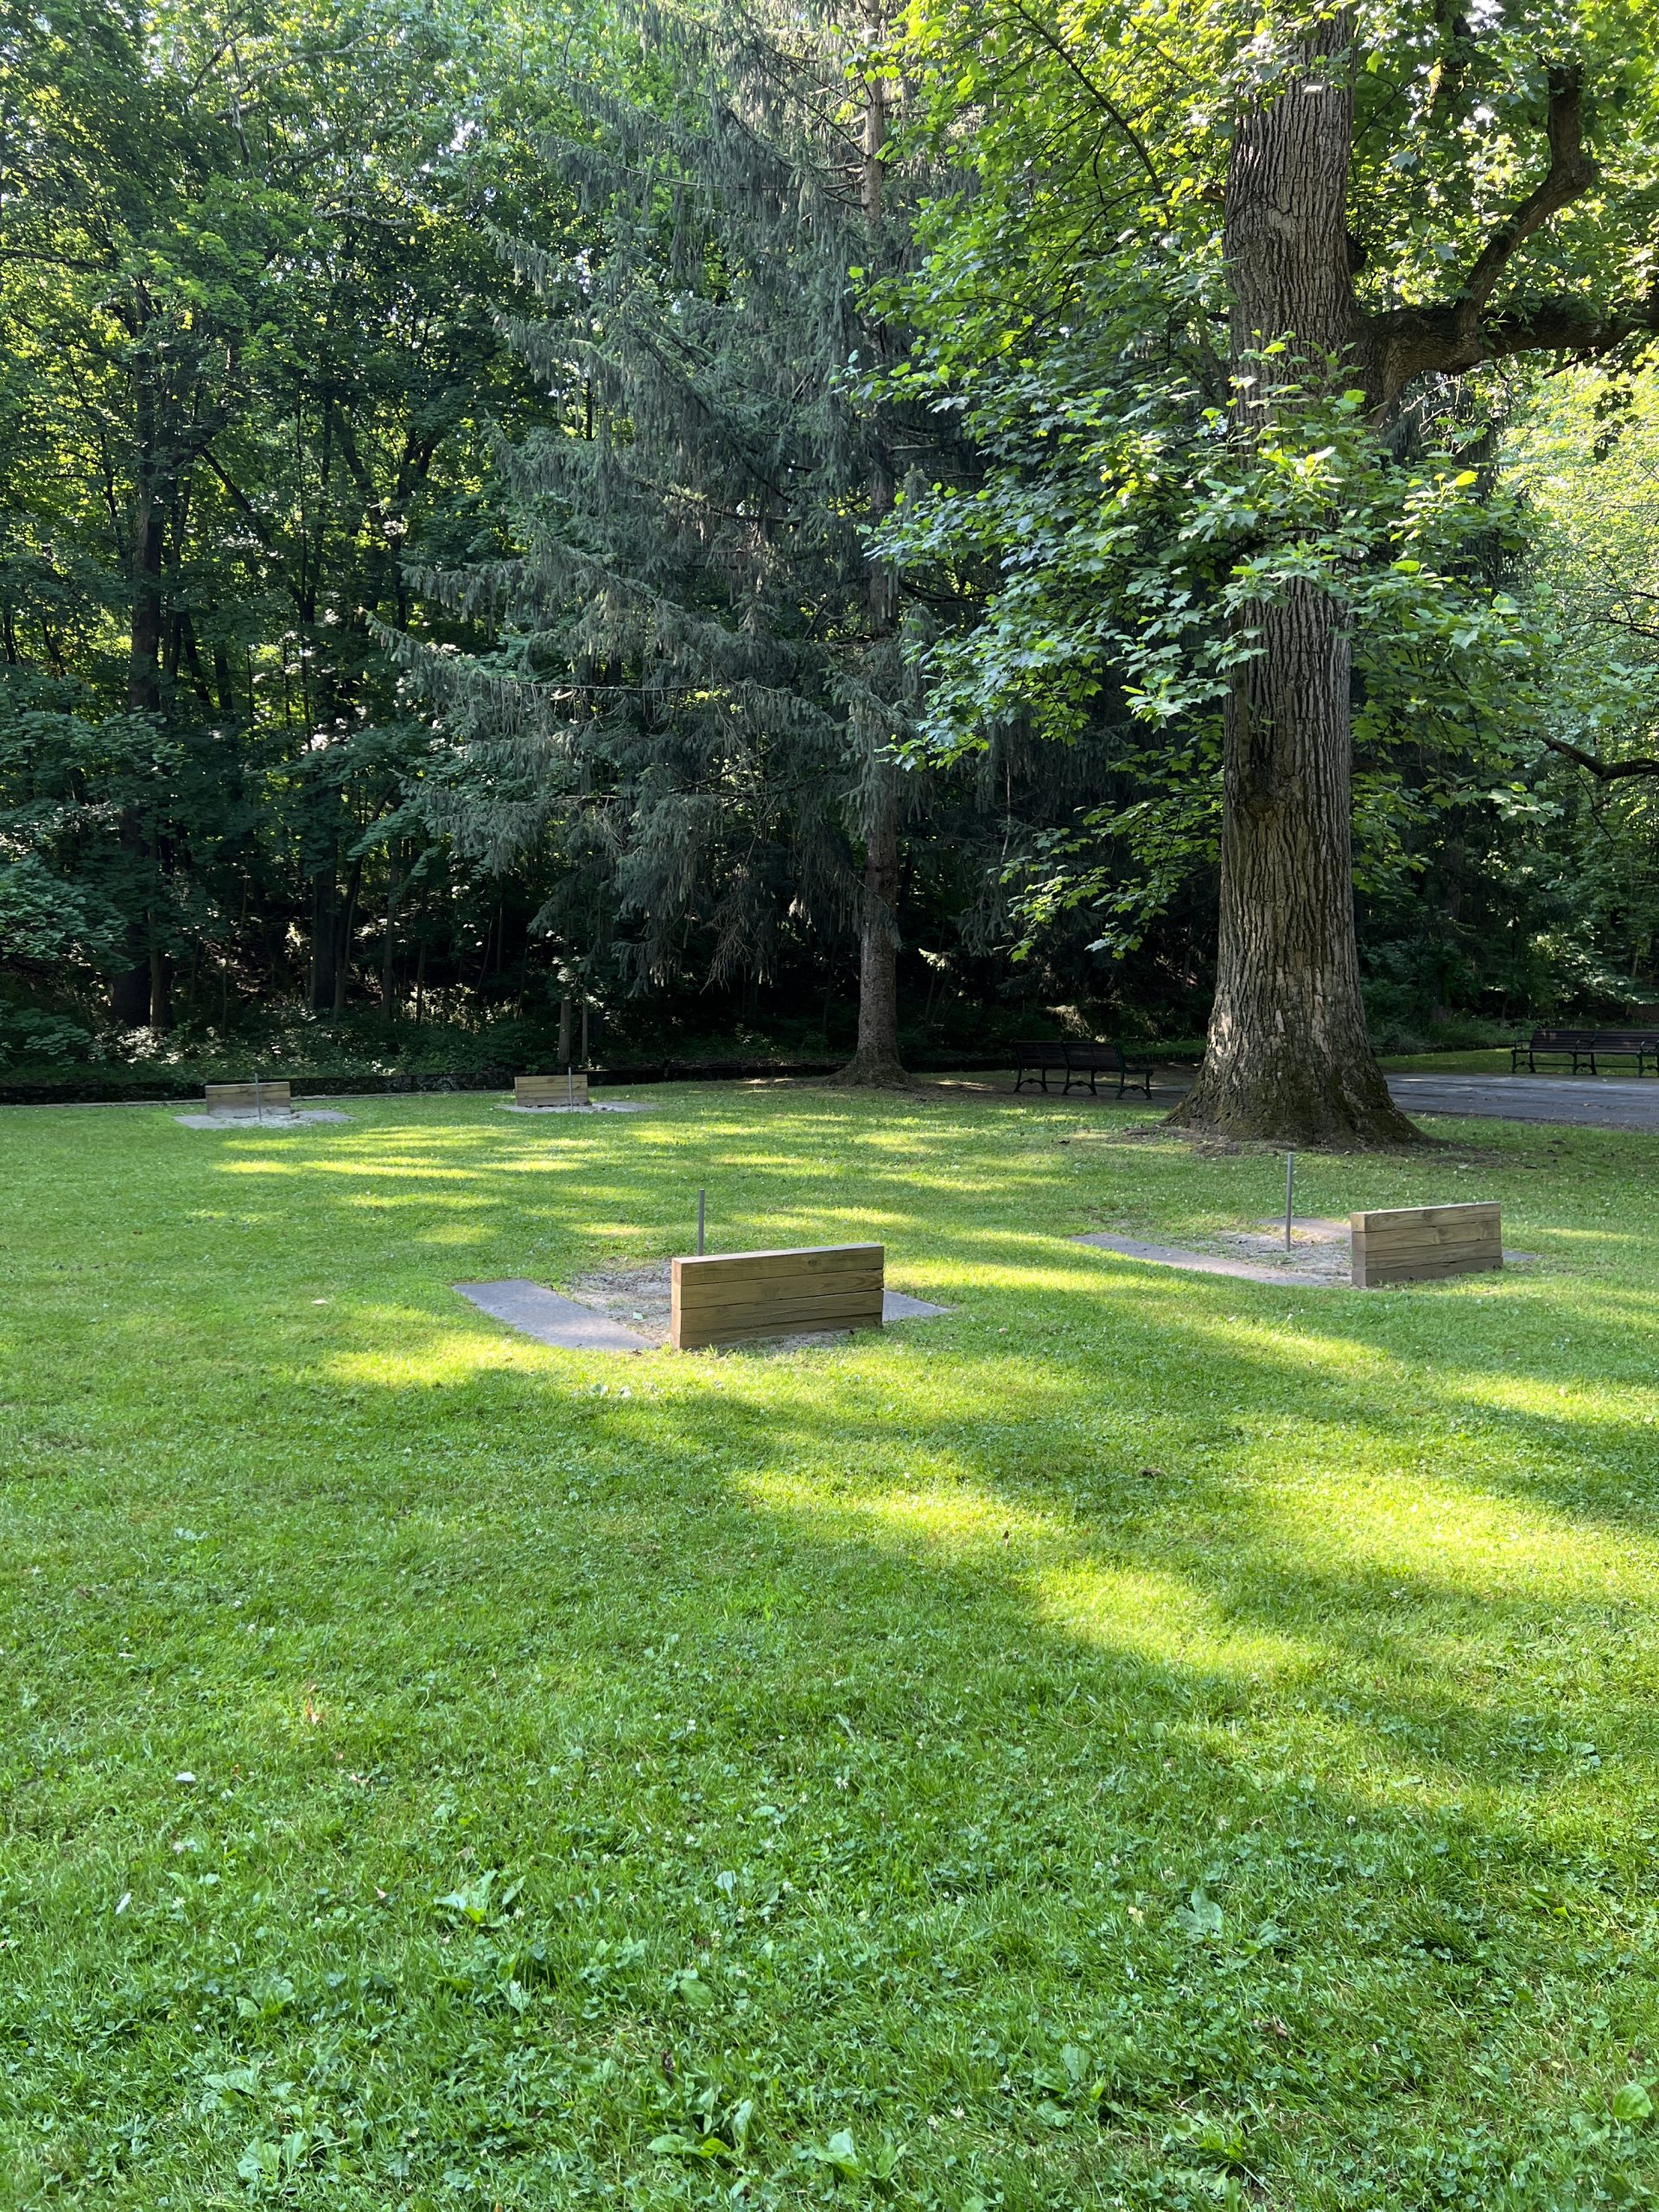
(1632, 2104)
(1200, 1917)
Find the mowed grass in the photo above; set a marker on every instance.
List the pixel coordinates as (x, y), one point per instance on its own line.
(1143, 1739)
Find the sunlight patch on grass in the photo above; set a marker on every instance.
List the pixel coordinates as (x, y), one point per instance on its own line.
(1144, 1614)
(1588, 1405)
(449, 1354)
(959, 1521)
(1465, 1542)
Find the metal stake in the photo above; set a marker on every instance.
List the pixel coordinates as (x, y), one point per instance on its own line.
(699, 1221)
(258, 1099)
(570, 1085)
(1290, 1192)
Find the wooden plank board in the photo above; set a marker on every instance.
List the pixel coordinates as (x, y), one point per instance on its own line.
(243, 1097)
(1422, 1221)
(1423, 1243)
(550, 1090)
(702, 1283)
(740, 1297)
(810, 1259)
(784, 1312)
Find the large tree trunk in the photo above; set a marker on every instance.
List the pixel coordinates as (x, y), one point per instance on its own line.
(1288, 1058)
(876, 1060)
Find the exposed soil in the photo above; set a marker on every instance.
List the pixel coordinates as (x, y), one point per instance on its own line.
(1317, 1247)
(641, 1298)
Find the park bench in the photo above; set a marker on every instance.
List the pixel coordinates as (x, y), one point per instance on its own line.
(1587, 1045)
(1096, 1060)
(1043, 1056)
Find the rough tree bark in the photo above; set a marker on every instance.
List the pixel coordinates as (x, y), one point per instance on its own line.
(1288, 1058)
(1289, 1055)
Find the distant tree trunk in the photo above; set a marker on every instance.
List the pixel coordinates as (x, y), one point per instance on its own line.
(161, 989)
(346, 929)
(324, 892)
(388, 944)
(1288, 1056)
(133, 991)
(876, 1060)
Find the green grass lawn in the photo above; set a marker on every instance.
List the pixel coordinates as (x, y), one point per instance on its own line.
(1143, 1739)
(1489, 1060)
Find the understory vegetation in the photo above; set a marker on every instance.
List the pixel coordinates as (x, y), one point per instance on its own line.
(727, 518)
(1139, 1740)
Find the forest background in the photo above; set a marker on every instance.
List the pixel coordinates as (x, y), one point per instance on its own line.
(483, 544)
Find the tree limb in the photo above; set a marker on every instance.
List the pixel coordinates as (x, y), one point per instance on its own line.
(1409, 342)
(1571, 173)
(1450, 336)
(256, 522)
(1605, 772)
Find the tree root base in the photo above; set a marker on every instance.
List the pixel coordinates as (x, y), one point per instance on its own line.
(1394, 1134)
(872, 1073)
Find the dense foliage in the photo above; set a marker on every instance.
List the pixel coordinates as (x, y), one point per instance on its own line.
(443, 464)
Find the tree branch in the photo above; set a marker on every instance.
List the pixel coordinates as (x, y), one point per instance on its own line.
(256, 522)
(1107, 105)
(1451, 335)
(1606, 771)
(1411, 342)
(1571, 173)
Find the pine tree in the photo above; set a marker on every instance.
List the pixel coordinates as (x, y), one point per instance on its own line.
(694, 643)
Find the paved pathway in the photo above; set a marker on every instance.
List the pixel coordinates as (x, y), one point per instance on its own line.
(1594, 1102)
(552, 1319)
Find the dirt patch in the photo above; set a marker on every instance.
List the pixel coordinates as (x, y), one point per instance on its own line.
(1317, 1247)
(637, 1296)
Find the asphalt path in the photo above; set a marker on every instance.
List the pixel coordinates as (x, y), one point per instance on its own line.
(1592, 1102)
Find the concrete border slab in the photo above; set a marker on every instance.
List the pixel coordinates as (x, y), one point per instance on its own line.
(225, 1119)
(593, 1106)
(1208, 1263)
(535, 1311)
